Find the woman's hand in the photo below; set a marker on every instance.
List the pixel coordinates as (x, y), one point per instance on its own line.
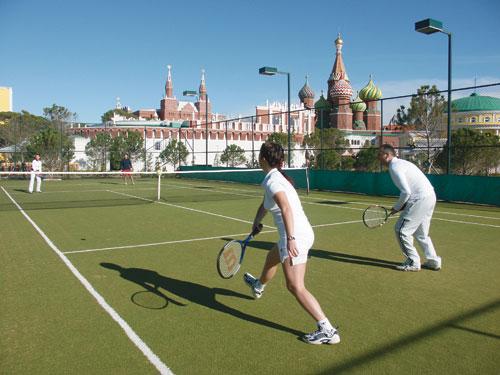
(291, 246)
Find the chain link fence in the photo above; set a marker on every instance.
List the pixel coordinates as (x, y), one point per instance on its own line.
(416, 125)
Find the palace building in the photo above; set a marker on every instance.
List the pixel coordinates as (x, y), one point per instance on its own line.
(359, 119)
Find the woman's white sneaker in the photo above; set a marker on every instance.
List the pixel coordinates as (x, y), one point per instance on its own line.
(254, 284)
(322, 337)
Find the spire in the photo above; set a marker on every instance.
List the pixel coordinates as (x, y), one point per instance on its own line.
(169, 87)
(338, 70)
(203, 88)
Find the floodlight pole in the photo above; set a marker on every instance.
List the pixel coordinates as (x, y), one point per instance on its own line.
(145, 149)
(431, 26)
(448, 164)
(190, 93)
(289, 120)
(270, 71)
(206, 129)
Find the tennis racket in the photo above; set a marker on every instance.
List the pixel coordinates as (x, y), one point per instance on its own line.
(375, 216)
(231, 255)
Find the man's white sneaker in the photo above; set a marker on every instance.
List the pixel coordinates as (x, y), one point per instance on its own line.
(254, 284)
(408, 266)
(432, 265)
(322, 337)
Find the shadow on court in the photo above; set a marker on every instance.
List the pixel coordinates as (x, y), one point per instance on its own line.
(453, 323)
(332, 255)
(68, 204)
(195, 293)
(336, 203)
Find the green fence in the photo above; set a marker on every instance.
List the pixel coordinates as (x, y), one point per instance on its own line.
(454, 188)
(251, 177)
(471, 189)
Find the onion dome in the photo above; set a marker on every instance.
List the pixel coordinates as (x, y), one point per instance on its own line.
(322, 103)
(341, 88)
(357, 105)
(370, 92)
(306, 92)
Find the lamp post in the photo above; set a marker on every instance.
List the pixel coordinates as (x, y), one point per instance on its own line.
(431, 26)
(270, 71)
(194, 93)
(145, 149)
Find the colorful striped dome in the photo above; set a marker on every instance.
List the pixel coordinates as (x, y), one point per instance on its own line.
(357, 105)
(341, 88)
(322, 103)
(306, 92)
(370, 92)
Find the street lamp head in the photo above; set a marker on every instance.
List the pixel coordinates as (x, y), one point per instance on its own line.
(429, 26)
(268, 71)
(189, 93)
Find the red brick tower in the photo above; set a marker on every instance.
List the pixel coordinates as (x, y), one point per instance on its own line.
(371, 94)
(202, 99)
(358, 108)
(168, 105)
(339, 92)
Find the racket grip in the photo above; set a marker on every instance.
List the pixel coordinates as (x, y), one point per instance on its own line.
(257, 229)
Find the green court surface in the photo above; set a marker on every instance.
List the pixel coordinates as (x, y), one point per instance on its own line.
(115, 282)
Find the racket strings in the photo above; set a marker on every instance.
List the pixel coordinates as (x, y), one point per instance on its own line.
(375, 216)
(229, 259)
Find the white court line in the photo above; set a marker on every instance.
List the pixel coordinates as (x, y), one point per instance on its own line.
(141, 345)
(365, 204)
(194, 239)
(187, 208)
(161, 243)
(466, 222)
(362, 209)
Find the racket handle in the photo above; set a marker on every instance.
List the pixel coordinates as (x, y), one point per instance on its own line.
(257, 230)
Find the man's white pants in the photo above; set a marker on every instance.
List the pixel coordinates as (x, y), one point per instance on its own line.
(415, 221)
(32, 182)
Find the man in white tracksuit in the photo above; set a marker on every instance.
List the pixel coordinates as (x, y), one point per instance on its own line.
(416, 203)
(36, 169)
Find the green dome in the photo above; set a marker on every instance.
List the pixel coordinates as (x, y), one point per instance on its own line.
(370, 92)
(475, 102)
(322, 103)
(357, 105)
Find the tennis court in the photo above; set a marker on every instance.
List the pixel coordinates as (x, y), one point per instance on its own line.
(100, 277)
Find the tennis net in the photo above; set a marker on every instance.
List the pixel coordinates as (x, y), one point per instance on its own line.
(101, 189)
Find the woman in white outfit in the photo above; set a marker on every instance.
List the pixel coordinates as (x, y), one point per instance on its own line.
(36, 170)
(296, 237)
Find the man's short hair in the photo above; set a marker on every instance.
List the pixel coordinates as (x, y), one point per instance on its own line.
(388, 149)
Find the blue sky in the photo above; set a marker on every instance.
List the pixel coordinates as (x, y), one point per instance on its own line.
(84, 54)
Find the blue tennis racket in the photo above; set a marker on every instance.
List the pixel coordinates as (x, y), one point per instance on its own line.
(231, 255)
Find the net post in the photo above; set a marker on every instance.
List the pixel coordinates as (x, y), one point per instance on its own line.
(307, 180)
(158, 189)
